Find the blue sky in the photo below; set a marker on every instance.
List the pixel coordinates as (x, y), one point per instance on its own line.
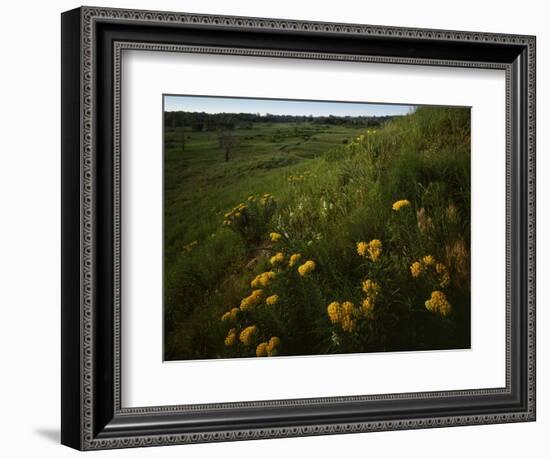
(280, 107)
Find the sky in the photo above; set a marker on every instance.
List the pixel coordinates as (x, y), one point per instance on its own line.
(280, 107)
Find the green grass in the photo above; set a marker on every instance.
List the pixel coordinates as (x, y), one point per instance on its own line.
(331, 190)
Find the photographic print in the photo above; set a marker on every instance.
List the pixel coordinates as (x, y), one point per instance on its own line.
(305, 227)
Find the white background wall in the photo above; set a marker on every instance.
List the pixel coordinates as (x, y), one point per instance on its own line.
(30, 229)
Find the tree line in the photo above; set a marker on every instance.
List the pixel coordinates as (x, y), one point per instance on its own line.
(200, 121)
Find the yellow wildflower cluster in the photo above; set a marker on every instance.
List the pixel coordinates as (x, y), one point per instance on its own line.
(263, 279)
(362, 248)
(400, 204)
(428, 260)
(306, 268)
(267, 199)
(277, 259)
(334, 311)
(249, 302)
(261, 349)
(187, 248)
(438, 303)
(268, 348)
(373, 249)
(272, 300)
(444, 277)
(296, 178)
(417, 269)
(361, 138)
(427, 263)
(273, 345)
(234, 215)
(367, 306)
(294, 259)
(231, 338)
(345, 314)
(248, 335)
(231, 316)
(348, 312)
(372, 290)
(275, 236)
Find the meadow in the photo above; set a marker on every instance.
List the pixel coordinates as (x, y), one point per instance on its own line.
(318, 238)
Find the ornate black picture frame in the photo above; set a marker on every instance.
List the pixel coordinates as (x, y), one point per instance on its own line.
(92, 42)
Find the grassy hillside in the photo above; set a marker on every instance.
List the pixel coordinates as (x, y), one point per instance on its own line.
(325, 194)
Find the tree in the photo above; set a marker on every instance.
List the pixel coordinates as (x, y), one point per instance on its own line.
(197, 126)
(228, 142)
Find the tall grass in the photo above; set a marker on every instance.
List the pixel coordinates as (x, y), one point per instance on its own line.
(322, 208)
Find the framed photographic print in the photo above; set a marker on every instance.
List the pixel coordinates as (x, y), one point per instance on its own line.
(279, 228)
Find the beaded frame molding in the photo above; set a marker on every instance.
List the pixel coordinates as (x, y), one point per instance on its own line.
(92, 43)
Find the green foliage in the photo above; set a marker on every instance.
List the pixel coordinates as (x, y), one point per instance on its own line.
(332, 186)
(251, 220)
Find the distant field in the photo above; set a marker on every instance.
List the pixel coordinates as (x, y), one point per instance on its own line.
(330, 187)
(200, 185)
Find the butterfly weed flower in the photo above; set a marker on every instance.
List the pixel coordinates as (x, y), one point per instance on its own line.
(438, 303)
(261, 349)
(347, 308)
(268, 348)
(348, 321)
(231, 315)
(416, 269)
(234, 216)
(249, 302)
(362, 248)
(428, 264)
(334, 311)
(234, 313)
(231, 338)
(428, 260)
(374, 249)
(371, 288)
(257, 294)
(444, 277)
(294, 259)
(273, 346)
(400, 204)
(263, 279)
(248, 335)
(367, 306)
(277, 259)
(306, 268)
(345, 314)
(272, 300)
(267, 200)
